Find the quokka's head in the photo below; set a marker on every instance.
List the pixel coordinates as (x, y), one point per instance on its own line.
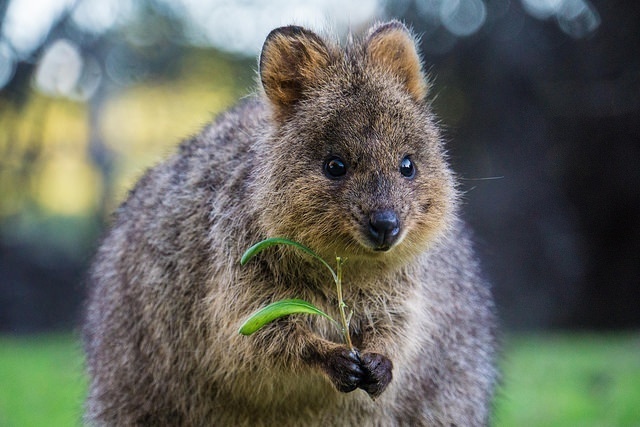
(353, 164)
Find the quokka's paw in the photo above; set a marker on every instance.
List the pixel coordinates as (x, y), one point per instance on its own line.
(343, 367)
(377, 373)
(348, 370)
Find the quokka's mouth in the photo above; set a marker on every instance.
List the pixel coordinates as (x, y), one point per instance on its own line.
(383, 248)
(379, 248)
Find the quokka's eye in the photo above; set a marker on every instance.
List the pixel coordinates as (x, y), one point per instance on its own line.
(335, 167)
(407, 169)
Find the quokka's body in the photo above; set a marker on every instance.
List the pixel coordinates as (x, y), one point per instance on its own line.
(340, 152)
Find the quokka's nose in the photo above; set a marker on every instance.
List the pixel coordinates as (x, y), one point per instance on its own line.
(384, 229)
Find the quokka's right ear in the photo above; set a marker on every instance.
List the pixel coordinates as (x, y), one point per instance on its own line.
(291, 61)
(392, 48)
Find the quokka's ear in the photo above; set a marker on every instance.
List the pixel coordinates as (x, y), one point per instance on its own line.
(391, 46)
(292, 59)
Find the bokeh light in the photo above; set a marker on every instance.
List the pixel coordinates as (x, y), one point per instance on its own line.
(7, 64)
(463, 17)
(98, 16)
(59, 69)
(216, 22)
(577, 18)
(26, 24)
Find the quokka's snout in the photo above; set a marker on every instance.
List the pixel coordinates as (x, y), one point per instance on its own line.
(384, 229)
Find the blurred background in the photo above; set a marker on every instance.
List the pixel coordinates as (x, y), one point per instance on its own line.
(540, 101)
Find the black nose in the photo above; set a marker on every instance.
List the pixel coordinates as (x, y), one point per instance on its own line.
(384, 228)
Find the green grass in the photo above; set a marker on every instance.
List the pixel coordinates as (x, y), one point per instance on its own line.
(41, 381)
(571, 380)
(549, 380)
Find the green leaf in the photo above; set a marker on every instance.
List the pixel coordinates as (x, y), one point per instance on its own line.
(260, 246)
(277, 310)
(267, 243)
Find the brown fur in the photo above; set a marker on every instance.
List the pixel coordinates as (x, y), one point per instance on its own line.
(168, 293)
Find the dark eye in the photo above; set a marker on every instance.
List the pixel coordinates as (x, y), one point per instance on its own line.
(334, 167)
(407, 169)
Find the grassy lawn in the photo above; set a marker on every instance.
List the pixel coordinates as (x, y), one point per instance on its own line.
(41, 381)
(571, 380)
(549, 380)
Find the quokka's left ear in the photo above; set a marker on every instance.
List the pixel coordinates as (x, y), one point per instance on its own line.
(392, 48)
(292, 60)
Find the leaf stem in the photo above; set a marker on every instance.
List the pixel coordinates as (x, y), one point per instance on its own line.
(341, 304)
